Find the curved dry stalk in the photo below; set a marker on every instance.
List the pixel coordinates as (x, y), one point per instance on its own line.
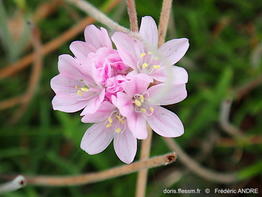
(35, 76)
(98, 15)
(53, 44)
(142, 174)
(197, 168)
(229, 142)
(45, 9)
(100, 176)
(11, 102)
(224, 119)
(249, 86)
(131, 9)
(164, 20)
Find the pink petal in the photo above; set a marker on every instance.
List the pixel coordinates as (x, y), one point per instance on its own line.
(81, 49)
(179, 75)
(137, 125)
(165, 123)
(173, 50)
(160, 74)
(97, 38)
(162, 94)
(124, 103)
(93, 104)
(62, 84)
(148, 31)
(67, 104)
(96, 139)
(172, 74)
(101, 114)
(125, 145)
(128, 49)
(137, 84)
(69, 67)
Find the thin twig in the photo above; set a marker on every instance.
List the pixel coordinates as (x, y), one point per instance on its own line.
(54, 44)
(142, 174)
(131, 8)
(11, 102)
(100, 176)
(13, 185)
(249, 140)
(224, 119)
(46, 9)
(164, 20)
(98, 15)
(197, 168)
(246, 88)
(223, 22)
(35, 76)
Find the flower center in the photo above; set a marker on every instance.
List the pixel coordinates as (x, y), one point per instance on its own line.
(80, 90)
(141, 105)
(116, 121)
(113, 85)
(148, 62)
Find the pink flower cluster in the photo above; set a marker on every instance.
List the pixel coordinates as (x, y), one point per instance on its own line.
(116, 89)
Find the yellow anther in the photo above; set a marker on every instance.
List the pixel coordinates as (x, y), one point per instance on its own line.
(79, 92)
(110, 120)
(122, 121)
(108, 125)
(84, 89)
(138, 103)
(143, 110)
(151, 109)
(142, 98)
(117, 130)
(149, 52)
(142, 54)
(145, 65)
(156, 66)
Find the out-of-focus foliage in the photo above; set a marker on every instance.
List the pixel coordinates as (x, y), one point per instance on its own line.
(224, 39)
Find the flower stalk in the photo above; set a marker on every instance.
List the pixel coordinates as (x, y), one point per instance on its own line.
(164, 19)
(131, 9)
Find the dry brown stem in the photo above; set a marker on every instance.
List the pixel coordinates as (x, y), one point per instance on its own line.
(142, 174)
(131, 8)
(164, 20)
(100, 176)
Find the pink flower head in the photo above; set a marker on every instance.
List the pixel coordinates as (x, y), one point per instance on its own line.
(144, 56)
(117, 88)
(82, 82)
(109, 125)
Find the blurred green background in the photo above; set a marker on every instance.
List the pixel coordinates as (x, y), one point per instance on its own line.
(224, 55)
